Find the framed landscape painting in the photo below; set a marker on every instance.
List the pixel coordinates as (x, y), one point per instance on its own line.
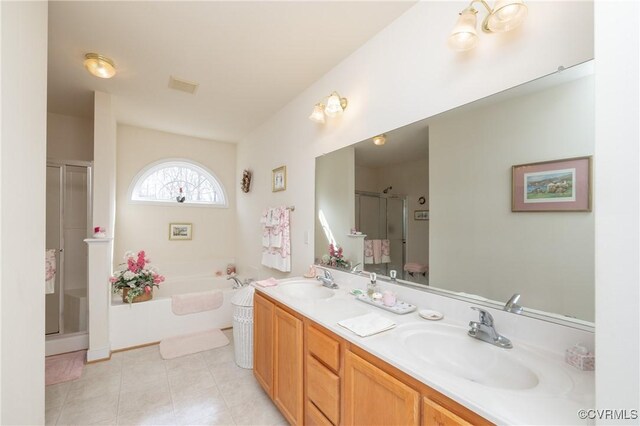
(180, 231)
(552, 186)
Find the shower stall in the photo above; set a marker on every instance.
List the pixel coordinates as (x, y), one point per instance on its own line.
(383, 216)
(68, 212)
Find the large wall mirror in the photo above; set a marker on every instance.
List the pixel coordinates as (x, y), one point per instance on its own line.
(432, 201)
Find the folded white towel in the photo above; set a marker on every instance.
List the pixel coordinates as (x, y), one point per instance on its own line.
(368, 324)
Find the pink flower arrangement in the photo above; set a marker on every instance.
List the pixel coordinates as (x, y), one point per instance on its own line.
(335, 257)
(136, 275)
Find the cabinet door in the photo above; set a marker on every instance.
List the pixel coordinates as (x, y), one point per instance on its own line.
(263, 318)
(288, 371)
(373, 397)
(433, 414)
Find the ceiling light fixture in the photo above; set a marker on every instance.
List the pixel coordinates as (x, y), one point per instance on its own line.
(380, 139)
(331, 106)
(505, 16)
(99, 65)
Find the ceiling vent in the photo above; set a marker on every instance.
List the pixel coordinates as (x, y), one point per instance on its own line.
(182, 85)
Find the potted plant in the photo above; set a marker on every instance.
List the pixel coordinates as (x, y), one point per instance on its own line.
(135, 281)
(335, 258)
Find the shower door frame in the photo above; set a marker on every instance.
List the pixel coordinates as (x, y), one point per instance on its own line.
(405, 218)
(62, 164)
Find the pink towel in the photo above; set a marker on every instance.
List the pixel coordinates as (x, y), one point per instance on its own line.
(386, 252)
(191, 303)
(368, 252)
(268, 282)
(377, 251)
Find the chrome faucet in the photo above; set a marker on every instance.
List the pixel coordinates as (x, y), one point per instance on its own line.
(238, 283)
(512, 304)
(327, 280)
(484, 330)
(354, 268)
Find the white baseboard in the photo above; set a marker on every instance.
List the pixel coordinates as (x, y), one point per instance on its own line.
(62, 344)
(98, 354)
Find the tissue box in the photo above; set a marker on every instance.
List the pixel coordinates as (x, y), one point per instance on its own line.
(583, 361)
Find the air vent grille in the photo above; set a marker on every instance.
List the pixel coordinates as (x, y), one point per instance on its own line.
(182, 85)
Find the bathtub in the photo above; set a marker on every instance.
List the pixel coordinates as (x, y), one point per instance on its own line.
(152, 321)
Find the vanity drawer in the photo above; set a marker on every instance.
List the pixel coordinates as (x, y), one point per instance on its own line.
(323, 347)
(313, 416)
(323, 389)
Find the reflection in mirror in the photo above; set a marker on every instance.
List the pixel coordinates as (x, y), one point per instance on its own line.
(434, 202)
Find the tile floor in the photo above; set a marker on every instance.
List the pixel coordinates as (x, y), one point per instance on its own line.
(138, 387)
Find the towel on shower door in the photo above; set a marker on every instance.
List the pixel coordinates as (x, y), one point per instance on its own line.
(50, 271)
(377, 251)
(386, 252)
(368, 252)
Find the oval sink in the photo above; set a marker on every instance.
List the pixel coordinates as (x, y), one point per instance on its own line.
(305, 290)
(448, 348)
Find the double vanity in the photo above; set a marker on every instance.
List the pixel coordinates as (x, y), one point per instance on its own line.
(419, 372)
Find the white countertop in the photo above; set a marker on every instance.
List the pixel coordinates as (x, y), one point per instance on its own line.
(562, 390)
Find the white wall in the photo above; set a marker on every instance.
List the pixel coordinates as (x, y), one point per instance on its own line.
(617, 211)
(23, 134)
(478, 245)
(403, 74)
(146, 227)
(104, 166)
(69, 138)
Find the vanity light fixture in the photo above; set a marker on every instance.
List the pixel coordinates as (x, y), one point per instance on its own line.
(99, 66)
(380, 139)
(505, 16)
(331, 106)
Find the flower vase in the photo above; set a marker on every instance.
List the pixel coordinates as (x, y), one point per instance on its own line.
(142, 298)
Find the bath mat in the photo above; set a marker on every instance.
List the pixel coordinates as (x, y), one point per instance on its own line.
(64, 367)
(176, 346)
(191, 303)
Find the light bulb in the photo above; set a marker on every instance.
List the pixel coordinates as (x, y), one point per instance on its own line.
(506, 15)
(334, 105)
(464, 35)
(380, 140)
(99, 66)
(318, 114)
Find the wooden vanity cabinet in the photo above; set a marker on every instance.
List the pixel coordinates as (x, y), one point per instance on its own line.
(288, 375)
(375, 397)
(278, 357)
(263, 321)
(317, 378)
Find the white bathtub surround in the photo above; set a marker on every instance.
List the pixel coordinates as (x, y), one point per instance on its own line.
(99, 295)
(153, 321)
(187, 344)
(551, 392)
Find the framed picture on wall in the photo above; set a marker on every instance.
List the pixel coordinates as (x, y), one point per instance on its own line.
(552, 186)
(180, 231)
(279, 179)
(421, 215)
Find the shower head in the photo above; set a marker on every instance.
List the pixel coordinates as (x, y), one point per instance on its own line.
(387, 189)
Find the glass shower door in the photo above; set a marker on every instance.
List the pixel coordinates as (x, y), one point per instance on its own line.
(54, 240)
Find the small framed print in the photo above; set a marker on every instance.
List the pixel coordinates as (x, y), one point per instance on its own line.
(421, 215)
(180, 231)
(552, 186)
(279, 179)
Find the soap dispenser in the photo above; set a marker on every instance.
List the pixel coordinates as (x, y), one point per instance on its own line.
(372, 287)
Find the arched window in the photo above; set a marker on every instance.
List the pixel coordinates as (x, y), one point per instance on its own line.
(166, 181)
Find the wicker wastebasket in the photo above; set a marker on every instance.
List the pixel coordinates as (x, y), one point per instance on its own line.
(242, 303)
